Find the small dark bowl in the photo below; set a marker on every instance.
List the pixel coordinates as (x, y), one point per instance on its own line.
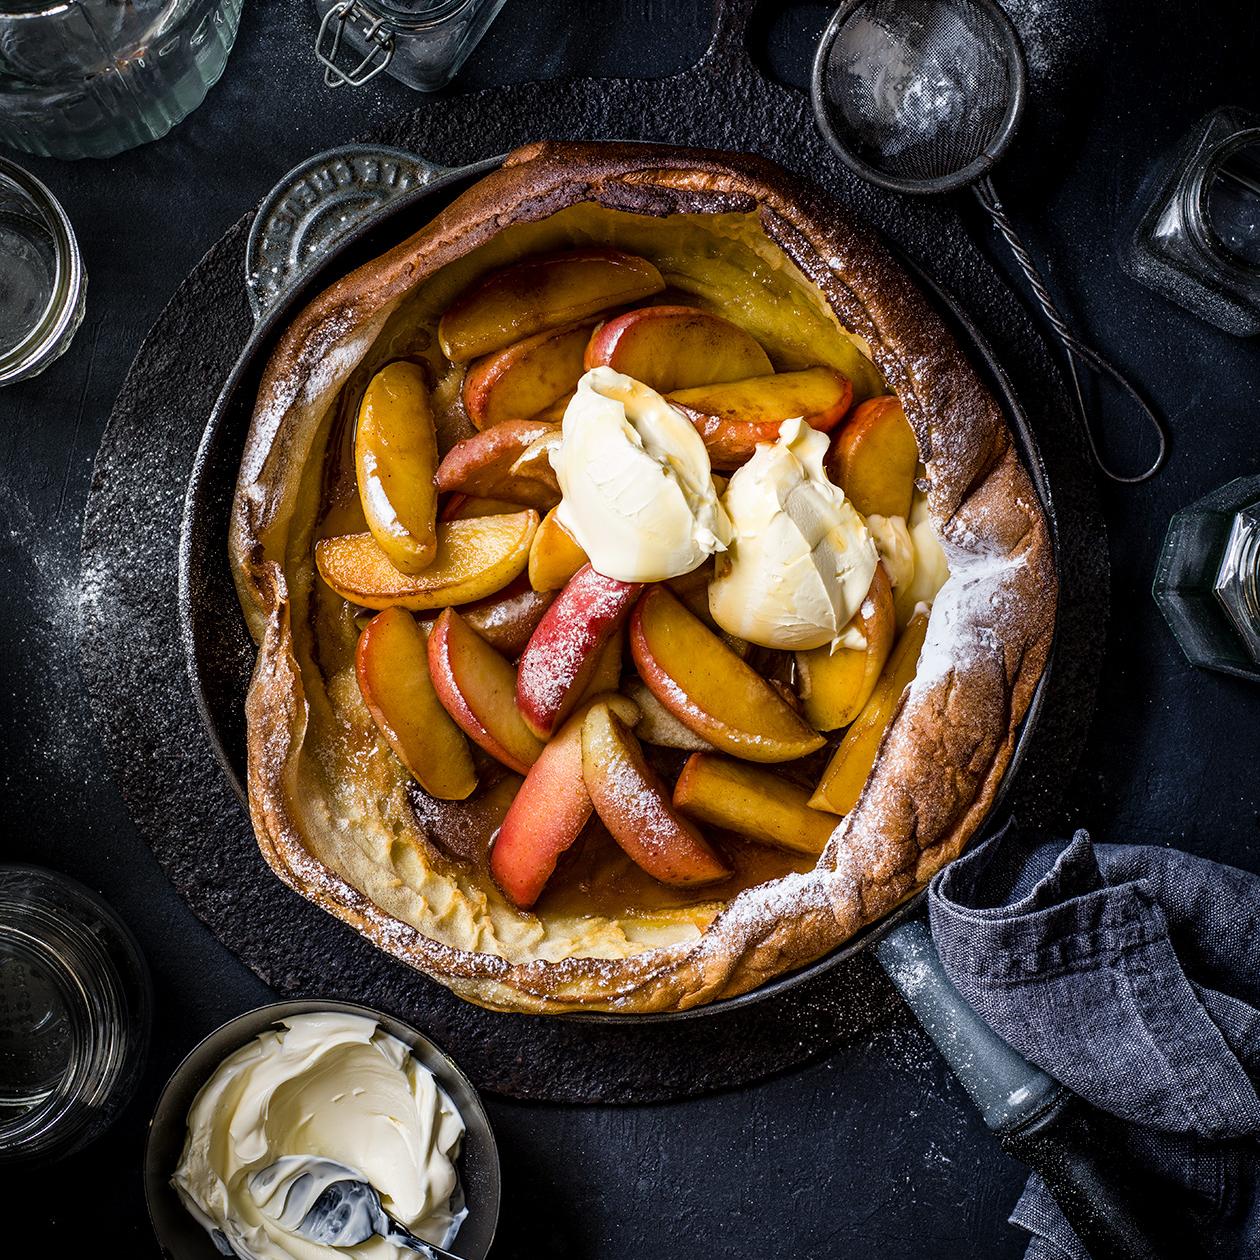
(182, 1238)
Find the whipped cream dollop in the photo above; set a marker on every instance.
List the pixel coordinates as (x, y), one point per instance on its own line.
(636, 481)
(802, 559)
(323, 1087)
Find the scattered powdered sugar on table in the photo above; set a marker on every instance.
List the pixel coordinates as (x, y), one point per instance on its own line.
(1055, 35)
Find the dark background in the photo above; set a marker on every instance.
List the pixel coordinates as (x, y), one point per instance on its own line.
(874, 1148)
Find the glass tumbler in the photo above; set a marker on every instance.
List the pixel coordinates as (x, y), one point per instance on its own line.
(42, 280)
(90, 78)
(74, 1014)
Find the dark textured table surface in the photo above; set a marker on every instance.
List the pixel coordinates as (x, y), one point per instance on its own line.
(873, 1148)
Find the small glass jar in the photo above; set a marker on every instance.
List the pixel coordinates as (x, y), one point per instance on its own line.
(1208, 581)
(90, 78)
(43, 285)
(74, 1014)
(1199, 242)
(421, 43)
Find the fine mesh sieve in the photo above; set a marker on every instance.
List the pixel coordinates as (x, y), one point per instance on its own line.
(924, 96)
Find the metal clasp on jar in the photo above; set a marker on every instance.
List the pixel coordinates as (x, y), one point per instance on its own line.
(379, 37)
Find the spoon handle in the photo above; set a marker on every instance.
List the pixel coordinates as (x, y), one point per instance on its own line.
(1077, 350)
(405, 1238)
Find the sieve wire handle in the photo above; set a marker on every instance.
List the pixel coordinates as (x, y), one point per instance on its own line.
(1077, 350)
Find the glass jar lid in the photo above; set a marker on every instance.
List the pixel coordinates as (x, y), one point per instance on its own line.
(42, 279)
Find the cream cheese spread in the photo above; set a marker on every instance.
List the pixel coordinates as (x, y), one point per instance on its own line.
(323, 1087)
(802, 558)
(637, 485)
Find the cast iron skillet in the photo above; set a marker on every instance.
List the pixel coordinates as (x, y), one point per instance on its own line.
(1035, 1118)
(218, 649)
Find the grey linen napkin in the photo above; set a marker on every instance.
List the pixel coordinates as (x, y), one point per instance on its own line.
(1132, 975)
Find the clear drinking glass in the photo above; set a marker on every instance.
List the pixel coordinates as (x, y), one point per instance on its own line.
(90, 78)
(1199, 241)
(1208, 581)
(42, 280)
(74, 1014)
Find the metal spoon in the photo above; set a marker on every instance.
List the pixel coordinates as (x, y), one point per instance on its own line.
(330, 1203)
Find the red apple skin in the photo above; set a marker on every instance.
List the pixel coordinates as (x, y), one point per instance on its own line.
(563, 651)
(549, 810)
(460, 662)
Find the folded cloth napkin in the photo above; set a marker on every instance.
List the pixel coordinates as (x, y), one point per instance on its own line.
(1132, 975)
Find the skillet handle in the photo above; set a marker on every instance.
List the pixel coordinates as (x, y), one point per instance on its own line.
(315, 204)
(1037, 1120)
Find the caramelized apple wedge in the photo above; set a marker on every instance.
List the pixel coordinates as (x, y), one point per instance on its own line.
(541, 293)
(392, 665)
(708, 688)
(477, 687)
(474, 558)
(759, 804)
(634, 805)
(527, 377)
(657, 725)
(482, 465)
(733, 417)
(873, 459)
(841, 784)
(463, 507)
(548, 812)
(395, 458)
(554, 556)
(507, 618)
(676, 347)
(534, 463)
(835, 686)
(563, 653)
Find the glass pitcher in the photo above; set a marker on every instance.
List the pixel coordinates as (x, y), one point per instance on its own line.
(90, 78)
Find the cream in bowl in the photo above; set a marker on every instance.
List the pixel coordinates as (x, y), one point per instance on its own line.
(321, 1086)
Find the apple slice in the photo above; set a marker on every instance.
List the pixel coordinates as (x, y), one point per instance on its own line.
(676, 347)
(392, 664)
(657, 725)
(733, 417)
(527, 377)
(507, 618)
(563, 653)
(474, 558)
(634, 805)
(463, 507)
(554, 556)
(708, 688)
(835, 686)
(606, 674)
(482, 465)
(395, 458)
(759, 804)
(873, 459)
(548, 812)
(554, 414)
(477, 688)
(842, 781)
(540, 293)
(534, 463)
